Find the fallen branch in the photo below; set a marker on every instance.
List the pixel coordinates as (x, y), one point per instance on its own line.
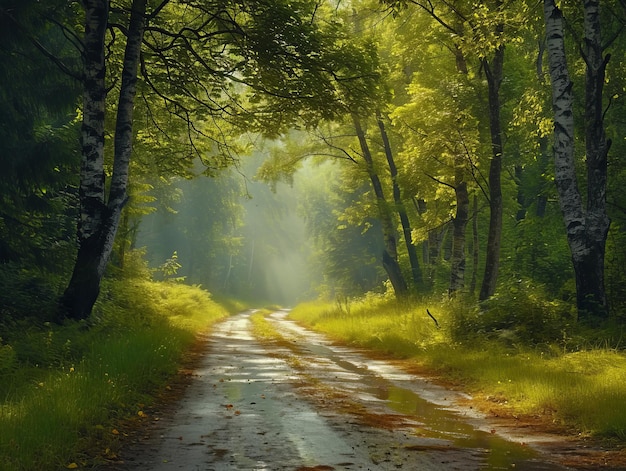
(433, 318)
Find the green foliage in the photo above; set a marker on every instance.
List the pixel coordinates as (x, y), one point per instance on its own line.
(38, 136)
(519, 313)
(563, 381)
(57, 380)
(170, 268)
(202, 225)
(27, 294)
(8, 359)
(616, 271)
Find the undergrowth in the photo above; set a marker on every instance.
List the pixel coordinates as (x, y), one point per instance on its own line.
(524, 357)
(64, 389)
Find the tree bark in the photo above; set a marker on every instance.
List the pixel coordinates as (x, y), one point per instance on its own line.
(390, 252)
(99, 219)
(433, 250)
(586, 230)
(416, 272)
(493, 71)
(459, 223)
(591, 294)
(475, 248)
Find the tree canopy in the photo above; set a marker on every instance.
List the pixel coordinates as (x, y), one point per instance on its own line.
(425, 131)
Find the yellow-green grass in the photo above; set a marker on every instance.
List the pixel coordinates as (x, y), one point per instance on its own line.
(66, 411)
(581, 390)
(262, 329)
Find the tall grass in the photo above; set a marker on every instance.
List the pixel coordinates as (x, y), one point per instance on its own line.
(64, 389)
(495, 360)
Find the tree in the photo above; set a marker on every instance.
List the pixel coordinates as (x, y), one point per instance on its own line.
(359, 101)
(390, 252)
(207, 62)
(440, 138)
(345, 231)
(416, 272)
(477, 30)
(493, 71)
(100, 211)
(587, 229)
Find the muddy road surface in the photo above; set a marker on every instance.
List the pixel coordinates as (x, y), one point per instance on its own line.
(306, 404)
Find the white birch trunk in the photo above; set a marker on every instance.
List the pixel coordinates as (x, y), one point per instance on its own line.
(124, 128)
(99, 220)
(92, 130)
(586, 229)
(562, 106)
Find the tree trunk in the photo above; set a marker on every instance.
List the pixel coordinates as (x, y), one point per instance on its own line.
(475, 248)
(99, 220)
(544, 164)
(590, 276)
(433, 246)
(390, 253)
(459, 223)
(493, 71)
(416, 272)
(586, 231)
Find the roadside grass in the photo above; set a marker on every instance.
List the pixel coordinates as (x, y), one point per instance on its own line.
(263, 330)
(266, 333)
(566, 383)
(65, 389)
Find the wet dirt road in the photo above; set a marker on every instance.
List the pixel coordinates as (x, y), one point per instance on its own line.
(306, 404)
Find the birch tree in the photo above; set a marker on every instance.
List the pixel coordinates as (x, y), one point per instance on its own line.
(100, 211)
(587, 227)
(258, 66)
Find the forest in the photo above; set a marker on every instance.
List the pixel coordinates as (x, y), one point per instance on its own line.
(459, 159)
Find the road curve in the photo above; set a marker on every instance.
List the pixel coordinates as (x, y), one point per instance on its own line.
(306, 404)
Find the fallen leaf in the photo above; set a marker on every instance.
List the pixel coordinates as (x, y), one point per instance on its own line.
(72, 466)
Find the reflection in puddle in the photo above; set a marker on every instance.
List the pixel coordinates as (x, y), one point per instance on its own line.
(439, 425)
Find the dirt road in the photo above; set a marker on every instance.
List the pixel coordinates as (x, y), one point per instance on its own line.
(306, 404)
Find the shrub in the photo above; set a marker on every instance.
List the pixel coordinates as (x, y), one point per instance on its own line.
(26, 293)
(519, 312)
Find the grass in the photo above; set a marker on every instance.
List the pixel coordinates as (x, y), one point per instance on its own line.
(65, 390)
(578, 390)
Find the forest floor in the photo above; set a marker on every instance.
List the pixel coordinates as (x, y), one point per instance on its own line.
(304, 403)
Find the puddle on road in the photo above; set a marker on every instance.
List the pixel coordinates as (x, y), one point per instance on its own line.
(429, 420)
(443, 424)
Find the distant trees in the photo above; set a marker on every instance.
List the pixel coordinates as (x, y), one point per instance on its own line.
(207, 63)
